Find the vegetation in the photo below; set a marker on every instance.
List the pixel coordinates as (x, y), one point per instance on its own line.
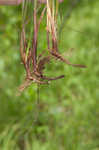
(67, 115)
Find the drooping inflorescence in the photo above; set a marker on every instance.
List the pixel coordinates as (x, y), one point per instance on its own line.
(34, 64)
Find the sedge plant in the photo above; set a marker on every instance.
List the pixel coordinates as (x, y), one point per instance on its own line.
(34, 64)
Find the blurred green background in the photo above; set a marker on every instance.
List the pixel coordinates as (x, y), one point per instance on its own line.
(68, 114)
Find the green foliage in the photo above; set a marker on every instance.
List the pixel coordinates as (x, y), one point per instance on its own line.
(67, 115)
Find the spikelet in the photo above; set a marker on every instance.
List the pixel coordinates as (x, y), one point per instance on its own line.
(41, 64)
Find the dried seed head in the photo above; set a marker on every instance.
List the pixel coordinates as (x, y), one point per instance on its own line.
(41, 64)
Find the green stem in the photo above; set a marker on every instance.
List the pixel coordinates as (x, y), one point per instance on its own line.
(35, 4)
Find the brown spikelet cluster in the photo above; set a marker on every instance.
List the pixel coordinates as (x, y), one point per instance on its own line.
(33, 64)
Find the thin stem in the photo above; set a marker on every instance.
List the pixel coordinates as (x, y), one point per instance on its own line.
(35, 4)
(34, 54)
(38, 94)
(36, 120)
